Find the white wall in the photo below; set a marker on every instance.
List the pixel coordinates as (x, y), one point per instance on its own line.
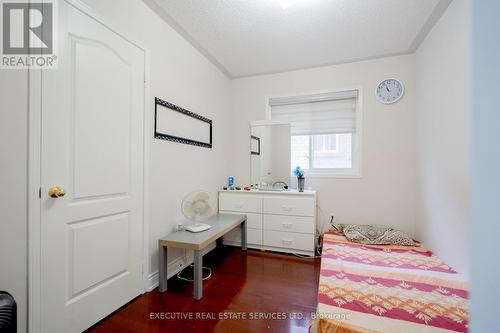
(485, 289)
(180, 75)
(386, 192)
(13, 185)
(443, 74)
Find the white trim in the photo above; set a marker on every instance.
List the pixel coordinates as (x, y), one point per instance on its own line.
(436, 14)
(339, 175)
(359, 135)
(34, 176)
(174, 267)
(148, 135)
(160, 11)
(34, 202)
(357, 170)
(291, 251)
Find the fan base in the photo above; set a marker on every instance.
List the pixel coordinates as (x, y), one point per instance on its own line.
(198, 227)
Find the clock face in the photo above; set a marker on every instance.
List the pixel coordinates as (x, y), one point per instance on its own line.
(389, 91)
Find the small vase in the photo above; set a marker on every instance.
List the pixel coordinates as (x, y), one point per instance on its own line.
(300, 184)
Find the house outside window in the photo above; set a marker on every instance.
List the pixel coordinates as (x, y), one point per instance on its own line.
(325, 132)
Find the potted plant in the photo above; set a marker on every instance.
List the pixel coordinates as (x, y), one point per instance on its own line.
(299, 173)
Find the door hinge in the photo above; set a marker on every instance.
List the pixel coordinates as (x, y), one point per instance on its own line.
(40, 192)
(144, 77)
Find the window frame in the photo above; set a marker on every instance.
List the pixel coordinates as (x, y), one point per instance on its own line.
(357, 138)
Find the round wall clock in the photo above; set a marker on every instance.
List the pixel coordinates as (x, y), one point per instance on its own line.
(390, 91)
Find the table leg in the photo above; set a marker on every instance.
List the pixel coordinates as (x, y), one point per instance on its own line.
(162, 279)
(198, 275)
(244, 235)
(219, 242)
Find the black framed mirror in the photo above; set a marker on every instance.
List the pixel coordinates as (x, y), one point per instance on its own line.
(254, 145)
(173, 123)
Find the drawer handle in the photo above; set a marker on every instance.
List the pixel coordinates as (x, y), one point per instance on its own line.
(287, 225)
(287, 242)
(286, 208)
(239, 205)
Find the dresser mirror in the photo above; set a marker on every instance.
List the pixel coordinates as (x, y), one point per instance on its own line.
(270, 155)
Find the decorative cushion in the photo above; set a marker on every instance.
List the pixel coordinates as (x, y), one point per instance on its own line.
(338, 226)
(377, 235)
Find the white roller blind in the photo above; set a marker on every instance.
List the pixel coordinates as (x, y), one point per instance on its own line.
(325, 113)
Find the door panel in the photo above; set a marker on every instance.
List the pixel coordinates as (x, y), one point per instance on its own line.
(98, 112)
(91, 239)
(92, 146)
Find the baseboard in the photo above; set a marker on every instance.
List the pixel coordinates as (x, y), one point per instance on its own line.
(291, 251)
(271, 248)
(238, 244)
(152, 282)
(174, 267)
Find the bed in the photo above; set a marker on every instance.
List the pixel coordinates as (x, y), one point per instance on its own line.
(394, 289)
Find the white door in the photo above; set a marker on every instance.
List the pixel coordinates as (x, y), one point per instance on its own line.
(92, 147)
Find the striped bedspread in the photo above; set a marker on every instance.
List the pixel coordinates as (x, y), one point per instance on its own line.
(394, 289)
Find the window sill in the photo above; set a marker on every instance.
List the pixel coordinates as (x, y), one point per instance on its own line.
(334, 175)
(355, 175)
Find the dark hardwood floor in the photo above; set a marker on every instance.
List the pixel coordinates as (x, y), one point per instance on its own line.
(249, 291)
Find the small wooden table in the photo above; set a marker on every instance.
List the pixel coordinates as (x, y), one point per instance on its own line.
(221, 225)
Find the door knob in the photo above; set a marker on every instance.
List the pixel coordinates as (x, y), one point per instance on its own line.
(56, 192)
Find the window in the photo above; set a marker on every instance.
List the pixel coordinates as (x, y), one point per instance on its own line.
(326, 143)
(324, 132)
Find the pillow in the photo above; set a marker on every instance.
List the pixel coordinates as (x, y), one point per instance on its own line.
(376, 235)
(338, 226)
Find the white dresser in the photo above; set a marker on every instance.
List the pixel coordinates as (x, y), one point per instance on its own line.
(277, 221)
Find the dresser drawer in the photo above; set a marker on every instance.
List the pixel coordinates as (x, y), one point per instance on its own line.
(254, 220)
(289, 240)
(301, 224)
(240, 203)
(254, 236)
(289, 206)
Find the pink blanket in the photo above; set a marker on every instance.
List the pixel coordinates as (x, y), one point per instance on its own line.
(365, 288)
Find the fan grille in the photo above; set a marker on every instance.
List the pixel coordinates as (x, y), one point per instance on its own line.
(8, 313)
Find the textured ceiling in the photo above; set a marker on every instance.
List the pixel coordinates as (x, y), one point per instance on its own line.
(250, 37)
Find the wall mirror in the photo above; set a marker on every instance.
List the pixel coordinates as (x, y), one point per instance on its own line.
(270, 154)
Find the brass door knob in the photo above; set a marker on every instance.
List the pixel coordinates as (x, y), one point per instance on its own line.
(56, 192)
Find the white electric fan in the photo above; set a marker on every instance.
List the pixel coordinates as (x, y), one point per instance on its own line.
(198, 206)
